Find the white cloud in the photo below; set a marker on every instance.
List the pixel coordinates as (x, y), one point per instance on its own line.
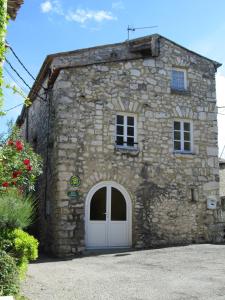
(220, 91)
(82, 15)
(77, 15)
(52, 6)
(46, 6)
(118, 5)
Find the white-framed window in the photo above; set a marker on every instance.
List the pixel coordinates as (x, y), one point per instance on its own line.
(126, 131)
(182, 136)
(179, 79)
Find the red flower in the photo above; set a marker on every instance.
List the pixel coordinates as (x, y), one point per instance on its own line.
(5, 184)
(29, 168)
(19, 145)
(26, 161)
(15, 174)
(10, 142)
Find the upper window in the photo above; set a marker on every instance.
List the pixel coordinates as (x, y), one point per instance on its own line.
(179, 80)
(126, 131)
(182, 136)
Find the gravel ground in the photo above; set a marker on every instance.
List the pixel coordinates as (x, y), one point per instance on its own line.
(181, 273)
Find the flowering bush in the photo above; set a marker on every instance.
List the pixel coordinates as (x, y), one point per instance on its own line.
(19, 164)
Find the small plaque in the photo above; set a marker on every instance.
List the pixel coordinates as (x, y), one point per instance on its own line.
(211, 203)
(73, 194)
(75, 181)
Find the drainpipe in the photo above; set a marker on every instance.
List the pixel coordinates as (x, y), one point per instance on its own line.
(46, 201)
(27, 124)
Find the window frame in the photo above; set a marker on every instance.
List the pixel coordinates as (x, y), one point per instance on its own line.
(182, 121)
(173, 88)
(125, 126)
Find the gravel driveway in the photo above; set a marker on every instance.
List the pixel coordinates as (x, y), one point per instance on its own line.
(190, 272)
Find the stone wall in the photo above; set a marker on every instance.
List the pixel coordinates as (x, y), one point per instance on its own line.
(222, 178)
(84, 102)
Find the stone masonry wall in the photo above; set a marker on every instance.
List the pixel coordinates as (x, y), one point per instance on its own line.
(222, 179)
(85, 101)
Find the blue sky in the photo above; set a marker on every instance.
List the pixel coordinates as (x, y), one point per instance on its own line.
(48, 26)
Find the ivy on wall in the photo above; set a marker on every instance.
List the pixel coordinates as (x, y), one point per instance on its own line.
(3, 29)
(3, 25)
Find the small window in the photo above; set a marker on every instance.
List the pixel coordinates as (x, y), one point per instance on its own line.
(178, 80)
(182, 136)
(126, 136)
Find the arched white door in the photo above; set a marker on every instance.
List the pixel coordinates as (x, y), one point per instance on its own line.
(108, 216)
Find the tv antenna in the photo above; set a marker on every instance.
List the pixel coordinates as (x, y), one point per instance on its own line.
(129, 28)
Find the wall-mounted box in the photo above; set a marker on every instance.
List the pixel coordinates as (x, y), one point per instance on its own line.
(211, 203)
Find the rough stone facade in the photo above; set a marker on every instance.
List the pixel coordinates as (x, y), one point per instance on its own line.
(222, 177)
(74, 130)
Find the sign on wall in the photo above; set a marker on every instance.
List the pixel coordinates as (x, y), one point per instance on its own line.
(75, 181)
(73, 194)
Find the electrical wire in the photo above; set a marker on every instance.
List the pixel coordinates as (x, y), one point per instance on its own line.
(15, 80)
(36, 94)
(17, 73)
(19, 60)
(22, 64)
(222, 151)
(13, 107)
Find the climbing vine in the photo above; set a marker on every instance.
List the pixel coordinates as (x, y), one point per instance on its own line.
(3, 25)
(3, 29)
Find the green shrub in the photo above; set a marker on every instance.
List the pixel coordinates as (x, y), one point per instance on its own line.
(16, 210)
(24, 249)
(9, 279)
(22, 246)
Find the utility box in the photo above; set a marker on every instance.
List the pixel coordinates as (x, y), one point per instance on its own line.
(211, 203)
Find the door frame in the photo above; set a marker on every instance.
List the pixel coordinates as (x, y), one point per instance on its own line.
(128, 205)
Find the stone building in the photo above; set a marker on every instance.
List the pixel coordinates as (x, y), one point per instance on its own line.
(222, 177)
(128, 133)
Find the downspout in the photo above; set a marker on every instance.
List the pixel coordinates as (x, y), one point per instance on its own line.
(27, 124)
(46, 201)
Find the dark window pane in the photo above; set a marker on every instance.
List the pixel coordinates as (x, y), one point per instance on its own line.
(177, 135)
(130, 142)
(186, 126)
(98, 205)
(177, 146)
(177, 125)
(119, 140)
(130, 121)
(119, 130)
(118, 206)
(119, 119)
(187, 146)
(187, 136)
(130, 131)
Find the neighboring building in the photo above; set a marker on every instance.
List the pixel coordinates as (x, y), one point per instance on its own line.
(12, 7)
(222, 177)
(135, 124)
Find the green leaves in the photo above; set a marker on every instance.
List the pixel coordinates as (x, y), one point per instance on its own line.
(19, 164)
(3, 24)
(16, 210)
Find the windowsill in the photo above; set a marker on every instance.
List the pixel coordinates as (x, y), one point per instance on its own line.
(180, 92)
(127, 150)
(180, 153)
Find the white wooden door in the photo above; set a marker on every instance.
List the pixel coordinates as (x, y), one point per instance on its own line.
(108, 217)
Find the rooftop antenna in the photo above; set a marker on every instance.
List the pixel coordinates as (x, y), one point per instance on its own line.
(137, 28)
